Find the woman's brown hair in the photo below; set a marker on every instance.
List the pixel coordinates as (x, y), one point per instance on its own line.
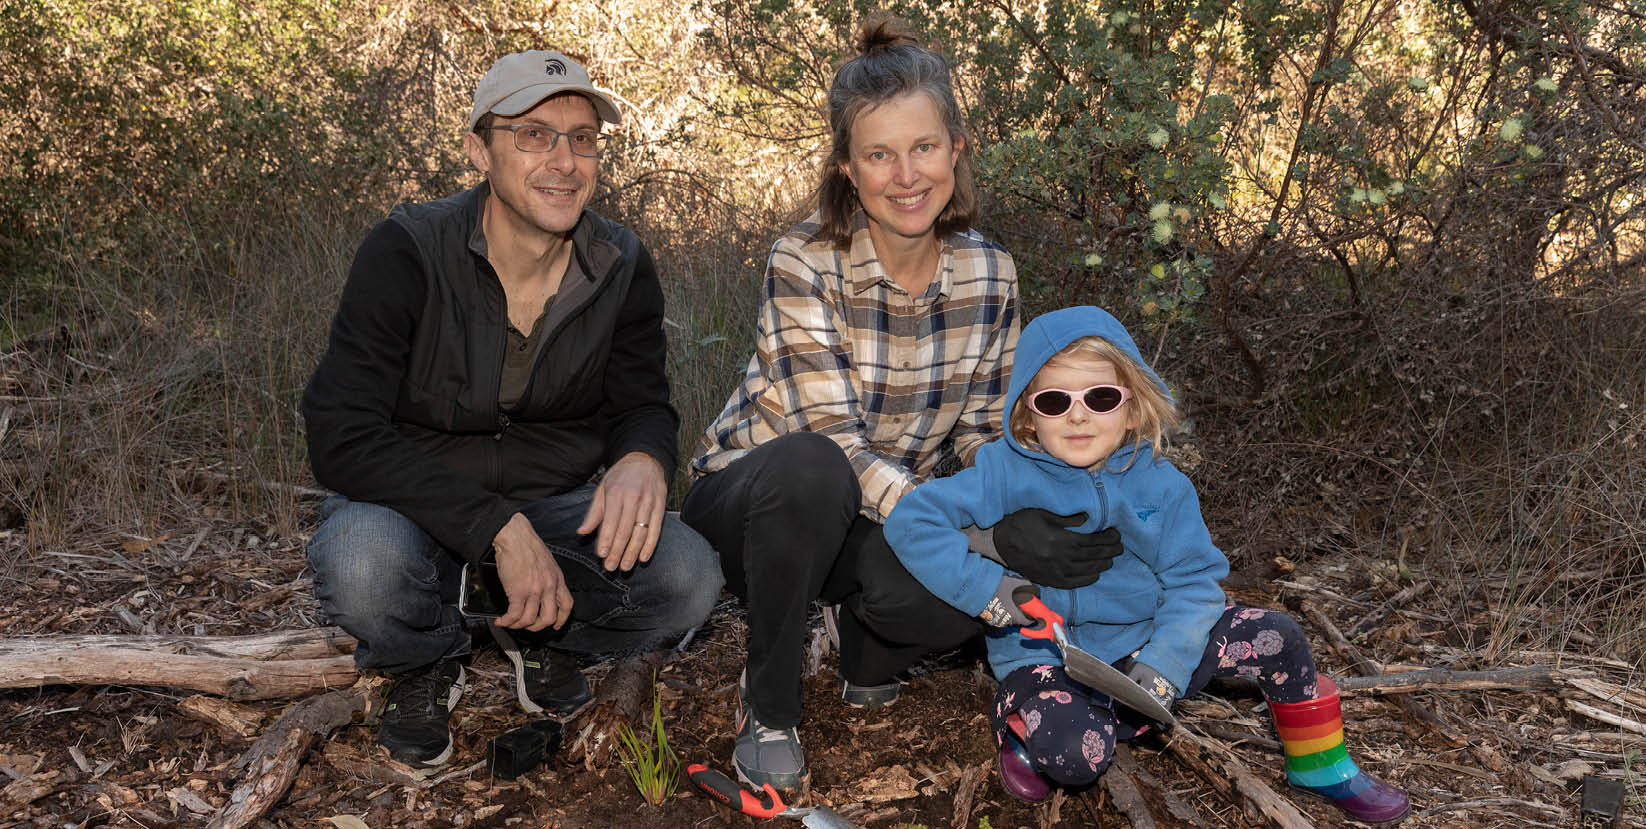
(890, 63)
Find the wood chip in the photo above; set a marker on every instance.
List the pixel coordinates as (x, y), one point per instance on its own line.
(894, 783)
(233, 720)
(189, 800)
(377, 769)
(20, 793)
(965, 791)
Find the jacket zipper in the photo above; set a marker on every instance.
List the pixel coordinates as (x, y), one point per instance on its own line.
(1102, 501)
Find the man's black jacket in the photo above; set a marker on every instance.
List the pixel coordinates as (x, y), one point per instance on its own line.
(403, 410)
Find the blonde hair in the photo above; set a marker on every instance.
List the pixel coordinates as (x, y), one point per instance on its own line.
(1154, 414)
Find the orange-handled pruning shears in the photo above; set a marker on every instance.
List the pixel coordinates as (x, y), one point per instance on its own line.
(766, 803)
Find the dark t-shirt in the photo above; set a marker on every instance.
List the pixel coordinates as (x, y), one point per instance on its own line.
(517, 361)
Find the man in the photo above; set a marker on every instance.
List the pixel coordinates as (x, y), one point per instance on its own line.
(492, 352)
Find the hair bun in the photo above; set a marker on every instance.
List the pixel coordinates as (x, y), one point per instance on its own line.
(883, 31)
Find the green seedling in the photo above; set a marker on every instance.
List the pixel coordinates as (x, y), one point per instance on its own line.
(652, 765)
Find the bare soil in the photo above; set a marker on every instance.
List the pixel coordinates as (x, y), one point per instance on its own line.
(128, 757)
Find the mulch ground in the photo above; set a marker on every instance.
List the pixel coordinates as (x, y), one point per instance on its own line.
(124, 756)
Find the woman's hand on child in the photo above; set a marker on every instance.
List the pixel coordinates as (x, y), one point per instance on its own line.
(1002, 609)
(1042, 546)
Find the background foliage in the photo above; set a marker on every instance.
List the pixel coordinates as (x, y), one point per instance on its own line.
(1390, 251)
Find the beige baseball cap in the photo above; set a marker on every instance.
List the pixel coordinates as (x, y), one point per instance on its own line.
(518, 82)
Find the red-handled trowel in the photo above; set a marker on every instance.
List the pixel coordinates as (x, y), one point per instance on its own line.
(1088, 669)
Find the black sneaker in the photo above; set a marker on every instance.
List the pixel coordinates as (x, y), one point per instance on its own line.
(545, 680)
(415, 726)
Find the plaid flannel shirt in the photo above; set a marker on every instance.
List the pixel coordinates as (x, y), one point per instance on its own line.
(841, 350)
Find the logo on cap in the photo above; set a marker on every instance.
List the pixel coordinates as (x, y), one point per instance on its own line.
(554, 66)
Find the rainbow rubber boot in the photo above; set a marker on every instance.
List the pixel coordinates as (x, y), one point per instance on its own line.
(1311, 732)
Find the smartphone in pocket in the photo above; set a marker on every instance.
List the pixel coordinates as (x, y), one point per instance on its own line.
(480, 591)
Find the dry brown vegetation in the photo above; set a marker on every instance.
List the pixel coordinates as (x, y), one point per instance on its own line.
(1442, 388)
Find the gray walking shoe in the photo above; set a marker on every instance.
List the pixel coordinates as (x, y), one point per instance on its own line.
(867, 697)
(870, 697)
(766, 755)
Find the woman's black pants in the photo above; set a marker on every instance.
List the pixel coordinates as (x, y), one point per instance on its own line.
(784, 519)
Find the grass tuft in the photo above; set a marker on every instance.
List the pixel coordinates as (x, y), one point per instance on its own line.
(652, 764)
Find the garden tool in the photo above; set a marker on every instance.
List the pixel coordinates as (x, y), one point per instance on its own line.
(766, 803)
(1085, 668)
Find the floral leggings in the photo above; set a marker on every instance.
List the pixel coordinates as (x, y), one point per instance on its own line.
(1070, 730)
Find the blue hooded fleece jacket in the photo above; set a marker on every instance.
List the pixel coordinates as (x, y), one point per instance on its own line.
(1161, 595)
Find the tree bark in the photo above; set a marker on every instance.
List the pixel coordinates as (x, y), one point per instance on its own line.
(267, 781)
(272, 666)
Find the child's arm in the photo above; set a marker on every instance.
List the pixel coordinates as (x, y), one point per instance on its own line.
(1189, 567)
(926, 532)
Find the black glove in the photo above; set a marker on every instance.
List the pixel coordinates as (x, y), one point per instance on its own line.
(1040, 545)
(1002, 609)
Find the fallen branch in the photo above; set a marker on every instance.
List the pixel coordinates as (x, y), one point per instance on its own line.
(1495, 804)
(1235, 734)
(1124, 790)
(1231, 777)
(1535, 677)
(295, 491)
(1180, 812)
(1608, 692)
(1358, 662)
(318, 714)
(308, 643)
(267, 781)
(271, 666)
(1607, 717)
(1382, 611)
(1369, 667)
(272, 763)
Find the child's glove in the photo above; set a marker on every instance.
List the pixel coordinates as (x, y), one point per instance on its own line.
(1158, 686)
(1041, 546)
(1002, 609)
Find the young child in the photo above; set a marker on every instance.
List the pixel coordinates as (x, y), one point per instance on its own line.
(1085, 415)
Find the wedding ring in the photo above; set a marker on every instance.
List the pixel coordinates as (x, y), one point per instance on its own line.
(641, 524)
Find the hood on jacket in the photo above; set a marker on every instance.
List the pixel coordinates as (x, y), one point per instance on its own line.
(1050, 333)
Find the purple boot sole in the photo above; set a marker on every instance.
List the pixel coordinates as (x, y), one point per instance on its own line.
(1017, 774)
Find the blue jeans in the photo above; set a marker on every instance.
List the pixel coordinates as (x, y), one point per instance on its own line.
(394, 589)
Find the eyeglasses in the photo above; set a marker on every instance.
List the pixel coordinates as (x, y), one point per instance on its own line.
(536, 138)
(1099, 399)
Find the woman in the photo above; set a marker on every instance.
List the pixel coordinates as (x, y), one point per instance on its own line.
(886, 331)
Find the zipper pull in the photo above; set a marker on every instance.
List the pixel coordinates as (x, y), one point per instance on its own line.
(502, 426)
